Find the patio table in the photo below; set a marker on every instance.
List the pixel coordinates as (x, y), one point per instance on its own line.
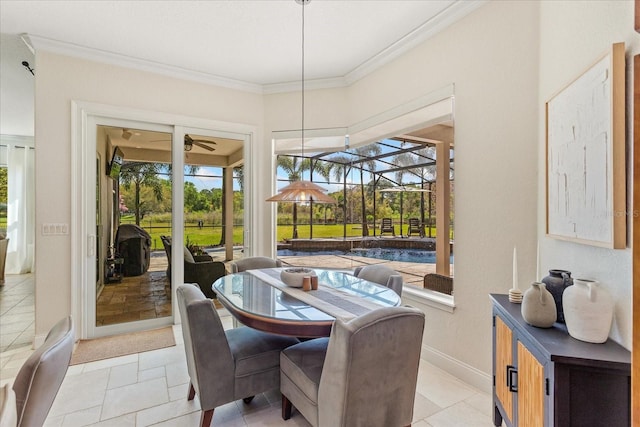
(259, 299)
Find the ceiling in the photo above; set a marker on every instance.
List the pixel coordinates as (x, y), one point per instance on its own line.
(253, 43)
(144, 145)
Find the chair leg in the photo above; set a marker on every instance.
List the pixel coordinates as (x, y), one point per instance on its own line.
(286, 408)
(206, 417)
(248, 400)
(192, 392)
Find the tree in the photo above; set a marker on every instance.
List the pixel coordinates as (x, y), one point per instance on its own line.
(323, 169)
(142, 175)
(294, 167)
(365, 153)
(341, 167)
(426, 173)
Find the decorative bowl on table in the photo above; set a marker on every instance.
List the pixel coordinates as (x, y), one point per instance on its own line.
(293, 276)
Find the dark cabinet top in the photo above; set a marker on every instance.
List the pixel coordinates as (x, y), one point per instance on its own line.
(557, 345)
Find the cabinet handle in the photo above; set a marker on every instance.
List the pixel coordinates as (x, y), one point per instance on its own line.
(512, 378)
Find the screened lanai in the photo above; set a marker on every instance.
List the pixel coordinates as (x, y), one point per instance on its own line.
(391, 194)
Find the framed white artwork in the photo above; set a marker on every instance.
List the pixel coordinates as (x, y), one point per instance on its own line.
(585, 153)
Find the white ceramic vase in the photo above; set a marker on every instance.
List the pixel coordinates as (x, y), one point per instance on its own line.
(588, 311)
(294, 276)
(538, 307)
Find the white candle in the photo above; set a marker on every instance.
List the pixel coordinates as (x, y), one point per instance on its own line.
(515, 268)
(538, 263)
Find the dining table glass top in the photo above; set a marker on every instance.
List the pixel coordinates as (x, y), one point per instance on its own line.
(252, 295)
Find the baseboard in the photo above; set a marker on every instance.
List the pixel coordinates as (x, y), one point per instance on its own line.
(470, 375)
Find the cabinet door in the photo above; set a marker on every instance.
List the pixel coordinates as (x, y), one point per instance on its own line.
(530, 389)
(504, 358)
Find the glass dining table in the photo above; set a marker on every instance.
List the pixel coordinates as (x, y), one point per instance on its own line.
(258, 299)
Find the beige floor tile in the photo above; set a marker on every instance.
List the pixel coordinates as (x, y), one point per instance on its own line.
(149, 374)
(128, 420)
(441, 388)
(108, 363)
(122, 375)
(166, 411)
(85, 417)
(80, 392)
(423, 408)
(135, 397)
(459, 415)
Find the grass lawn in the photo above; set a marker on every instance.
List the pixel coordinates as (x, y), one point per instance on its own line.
(210, 236)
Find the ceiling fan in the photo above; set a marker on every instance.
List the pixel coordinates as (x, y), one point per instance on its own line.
(190, 142)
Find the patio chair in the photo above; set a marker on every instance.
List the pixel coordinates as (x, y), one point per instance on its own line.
(387, 226)
(439, 283)
(354, 378)
(415, 227)
(197, 269)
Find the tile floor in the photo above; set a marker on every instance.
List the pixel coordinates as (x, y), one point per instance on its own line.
(17, 312)
(150, 388)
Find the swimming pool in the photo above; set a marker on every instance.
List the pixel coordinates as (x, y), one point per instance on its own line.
(405, 255)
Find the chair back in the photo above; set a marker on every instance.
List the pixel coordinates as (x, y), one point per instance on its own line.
(371, 369)
(40, 377)
(209, 361)
(387, 226)
(253, 263)
(381, 274)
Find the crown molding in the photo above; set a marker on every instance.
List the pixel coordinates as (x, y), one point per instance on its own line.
(428, 29)
(308, 85)
(73, 50)
(453, 13)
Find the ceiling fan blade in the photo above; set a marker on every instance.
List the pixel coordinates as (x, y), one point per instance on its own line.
(205, 146)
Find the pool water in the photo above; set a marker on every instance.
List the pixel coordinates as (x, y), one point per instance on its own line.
(405, 255)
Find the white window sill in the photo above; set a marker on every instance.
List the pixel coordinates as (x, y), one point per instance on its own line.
(433, 299)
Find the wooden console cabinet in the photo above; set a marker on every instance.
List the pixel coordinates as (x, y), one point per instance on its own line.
(544, 377)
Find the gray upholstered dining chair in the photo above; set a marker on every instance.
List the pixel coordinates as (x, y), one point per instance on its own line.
(382, 275)
(365, 374)
(225, 366)
(40, 377)
(252, 263)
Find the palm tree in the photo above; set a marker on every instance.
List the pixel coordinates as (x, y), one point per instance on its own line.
(294, 167)
(142, 175)
(426, 173)
(366, 152)
(323, 169)
(341, 167)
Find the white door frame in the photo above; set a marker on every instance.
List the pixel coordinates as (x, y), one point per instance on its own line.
(85, 117)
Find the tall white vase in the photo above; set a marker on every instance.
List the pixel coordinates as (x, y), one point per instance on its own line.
(588, 311)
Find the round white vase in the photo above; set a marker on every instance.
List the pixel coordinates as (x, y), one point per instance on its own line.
(538, 307)
(588, 311)
(294, 276)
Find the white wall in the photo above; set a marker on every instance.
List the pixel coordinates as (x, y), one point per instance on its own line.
(16, 86)
(60, 80)
(573, 35)
(491, 57)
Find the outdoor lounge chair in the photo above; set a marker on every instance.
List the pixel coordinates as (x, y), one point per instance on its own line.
(200, 269)
(415, 227)
(387, 226)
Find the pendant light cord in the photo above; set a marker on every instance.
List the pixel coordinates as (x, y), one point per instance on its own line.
(302, 142)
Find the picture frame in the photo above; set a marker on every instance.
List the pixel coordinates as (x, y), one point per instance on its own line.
(585, 156)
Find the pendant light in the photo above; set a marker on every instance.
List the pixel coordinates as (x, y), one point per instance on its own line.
(302, 191)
